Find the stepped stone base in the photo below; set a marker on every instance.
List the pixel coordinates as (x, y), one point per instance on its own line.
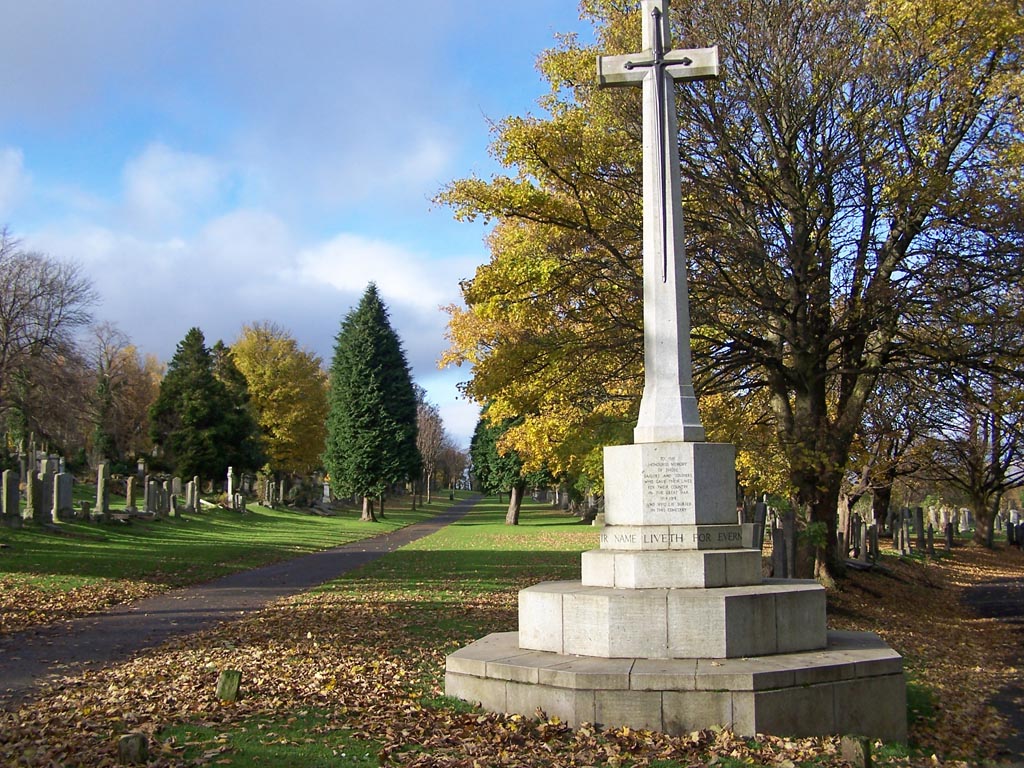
(854, 685)
(778, 616)
(668, 568)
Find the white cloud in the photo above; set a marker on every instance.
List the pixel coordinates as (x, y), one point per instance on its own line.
(349, 262)
(13, 179)
(163, 187)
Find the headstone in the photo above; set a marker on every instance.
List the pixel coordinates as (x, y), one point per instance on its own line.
(176, 486)
(760, 519)
(229, 685)
(780, 566)
(965, 520)
(153, 497)
(147, 489)
(103, 491)
(671, 624)
(1019, 533)
(1014, 516)
(231, 482)
(919, 527)
(65, 495)
(949, 537)
(931, 539)
(102, 488)
(199, 489)
(874, 542)
(11, 498)
(1011, 534)
(140, 471)
(133, 749)
(34, 504)
(129, 493)
(905, 535)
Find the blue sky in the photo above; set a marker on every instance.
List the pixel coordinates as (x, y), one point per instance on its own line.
(213, 163)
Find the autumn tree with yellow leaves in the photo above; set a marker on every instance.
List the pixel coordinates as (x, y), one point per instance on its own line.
(851, 189)
(288, 392)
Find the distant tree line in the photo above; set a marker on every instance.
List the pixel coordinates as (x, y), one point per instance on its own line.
(262, 404)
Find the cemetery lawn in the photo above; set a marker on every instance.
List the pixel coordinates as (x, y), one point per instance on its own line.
(76, 568)
(351, 674)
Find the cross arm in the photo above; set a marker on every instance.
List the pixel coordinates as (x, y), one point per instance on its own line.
(681, 63)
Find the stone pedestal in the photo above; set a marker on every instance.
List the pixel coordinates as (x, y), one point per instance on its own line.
(672, 626)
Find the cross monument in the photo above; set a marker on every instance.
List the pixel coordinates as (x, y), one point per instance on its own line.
(668, 410)
(672, 625)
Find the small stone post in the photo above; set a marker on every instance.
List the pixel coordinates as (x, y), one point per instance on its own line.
(129, 493)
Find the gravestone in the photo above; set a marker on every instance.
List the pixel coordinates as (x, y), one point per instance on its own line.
(11, 499)
(931, 539)
(34, 504)
(919, 527)
(671, 626)
(176, 486)
(129, 493)
(231, 483)
(949, 537)
(103, 491)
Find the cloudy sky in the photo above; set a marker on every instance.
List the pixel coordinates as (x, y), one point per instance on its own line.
(213, 164)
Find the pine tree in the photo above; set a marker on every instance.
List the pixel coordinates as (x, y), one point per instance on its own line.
(195, 419)
(371, 426)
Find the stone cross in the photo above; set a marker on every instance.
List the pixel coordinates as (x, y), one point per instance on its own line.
(668, 410)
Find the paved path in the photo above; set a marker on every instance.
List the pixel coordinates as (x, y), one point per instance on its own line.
(29, 657)
(1003, 599)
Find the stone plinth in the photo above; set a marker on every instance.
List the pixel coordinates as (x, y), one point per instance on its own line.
(689, 569)
(854, 685)
(567, 617)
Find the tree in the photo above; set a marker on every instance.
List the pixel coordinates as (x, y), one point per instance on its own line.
(195, 420)
(288, 392)
(241, 429)
(430, 438)
(124, 388)
(43, 302)
(497, 470)
(371, 425)
(849, 188)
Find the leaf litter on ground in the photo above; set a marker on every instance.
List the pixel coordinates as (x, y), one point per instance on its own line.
(369, 657)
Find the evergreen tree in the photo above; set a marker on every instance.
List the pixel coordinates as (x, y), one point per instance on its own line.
(195, 419)
(497, 471)
(241, 433)
(371, 426)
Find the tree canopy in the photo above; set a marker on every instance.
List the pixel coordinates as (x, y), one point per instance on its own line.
(371, 424)
(288, 391)
(201, 424)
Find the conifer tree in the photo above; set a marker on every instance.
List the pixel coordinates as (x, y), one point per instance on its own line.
(371, 426)
(195, 420)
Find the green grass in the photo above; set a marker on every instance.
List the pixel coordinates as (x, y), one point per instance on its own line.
(182, 550)
(308, 739)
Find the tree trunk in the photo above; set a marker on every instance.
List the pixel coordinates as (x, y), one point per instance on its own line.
(515, 501)
(881, 500)
(368, 515)
(985, 520)
(380, 500)
(427, 474)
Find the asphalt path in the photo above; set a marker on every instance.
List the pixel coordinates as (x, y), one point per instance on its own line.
(33, 656)
(1003, 599)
